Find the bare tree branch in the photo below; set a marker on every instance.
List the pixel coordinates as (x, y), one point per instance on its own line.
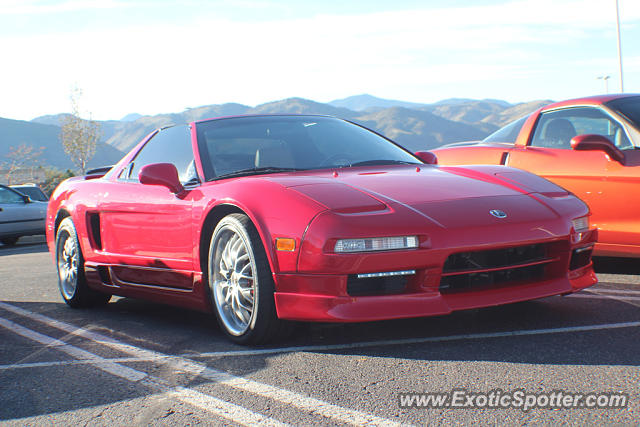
(20, 158)
(79, 137)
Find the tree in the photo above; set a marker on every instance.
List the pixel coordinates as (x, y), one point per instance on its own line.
(53, 177)
(79, 136)
(21, 158)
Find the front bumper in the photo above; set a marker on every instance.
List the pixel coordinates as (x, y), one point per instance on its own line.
(310, 306)
(326, 298)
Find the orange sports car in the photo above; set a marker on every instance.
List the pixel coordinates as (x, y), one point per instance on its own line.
(590, 146)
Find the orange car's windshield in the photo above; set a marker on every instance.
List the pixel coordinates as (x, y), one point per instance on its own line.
(509, 133)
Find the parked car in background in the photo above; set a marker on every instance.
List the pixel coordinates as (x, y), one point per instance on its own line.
(590, 146)
(264, 219)
(19, 215)
(33, 191)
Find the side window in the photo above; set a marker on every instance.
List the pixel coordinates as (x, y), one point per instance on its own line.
(171, 145)
(8, 196)
(556, 128)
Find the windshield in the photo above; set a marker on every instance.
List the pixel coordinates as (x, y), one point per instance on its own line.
(509, 133)
(267, 144)
(628, 107)
(34, 193)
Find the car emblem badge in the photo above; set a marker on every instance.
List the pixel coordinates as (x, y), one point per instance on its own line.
(498, 213)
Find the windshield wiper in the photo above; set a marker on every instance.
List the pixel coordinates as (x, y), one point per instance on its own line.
(382, 162)
(254, 171)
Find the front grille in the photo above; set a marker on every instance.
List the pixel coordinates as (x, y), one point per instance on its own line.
(495, 258)
(485, 269)
(376, 285)
(462, 282)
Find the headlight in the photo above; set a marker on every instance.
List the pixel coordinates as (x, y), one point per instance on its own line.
(376, 244)
(580, 225)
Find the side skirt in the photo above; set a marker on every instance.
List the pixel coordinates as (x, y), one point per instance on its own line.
(103, 278)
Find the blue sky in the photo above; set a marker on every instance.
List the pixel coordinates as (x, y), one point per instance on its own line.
(154, 56)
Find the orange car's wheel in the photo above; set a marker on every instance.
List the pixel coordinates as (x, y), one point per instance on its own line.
(70, 263)
(241, 284)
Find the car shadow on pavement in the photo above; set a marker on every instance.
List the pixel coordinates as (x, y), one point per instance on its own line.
(23, 248)
(515, 333)
(610, 265)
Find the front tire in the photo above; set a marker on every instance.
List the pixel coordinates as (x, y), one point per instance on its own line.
(70, 262)
(241, 284)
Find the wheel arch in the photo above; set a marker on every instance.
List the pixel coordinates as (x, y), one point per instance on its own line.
(213, 217)
(60, 216)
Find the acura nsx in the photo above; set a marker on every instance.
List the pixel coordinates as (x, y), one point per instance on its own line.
(265, 220)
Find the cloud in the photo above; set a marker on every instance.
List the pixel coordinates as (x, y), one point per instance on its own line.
(412, 54)
(31, 7)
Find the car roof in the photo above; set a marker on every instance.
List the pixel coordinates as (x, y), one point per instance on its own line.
(266, 115)
(589, 100)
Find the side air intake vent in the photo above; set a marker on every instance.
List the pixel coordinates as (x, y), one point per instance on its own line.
(94, 227)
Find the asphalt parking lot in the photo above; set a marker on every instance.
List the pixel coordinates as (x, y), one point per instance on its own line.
(134, 362)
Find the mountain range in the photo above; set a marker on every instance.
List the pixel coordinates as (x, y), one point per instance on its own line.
(413, 125)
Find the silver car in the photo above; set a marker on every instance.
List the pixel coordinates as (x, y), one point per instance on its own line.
(19, 216)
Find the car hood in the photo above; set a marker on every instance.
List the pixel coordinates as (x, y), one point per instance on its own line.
(449, 197)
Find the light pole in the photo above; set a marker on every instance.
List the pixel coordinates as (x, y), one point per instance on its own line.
(619, 47)
(606, 82)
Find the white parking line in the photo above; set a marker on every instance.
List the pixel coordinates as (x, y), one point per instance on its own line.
(104, 364)
(614, 291)
(159, 357)
(421, 340)
(300, 401)
(606, 296)
(192, 397)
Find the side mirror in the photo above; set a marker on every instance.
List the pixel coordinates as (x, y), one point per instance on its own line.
(593, 142)
(164, 174)
(27, 199)
(427, 157)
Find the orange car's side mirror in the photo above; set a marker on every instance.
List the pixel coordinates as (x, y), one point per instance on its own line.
(164, 174)
(427, 157)
(593, 142)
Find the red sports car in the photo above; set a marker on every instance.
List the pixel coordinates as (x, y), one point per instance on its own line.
(265, 219)
(590, 146)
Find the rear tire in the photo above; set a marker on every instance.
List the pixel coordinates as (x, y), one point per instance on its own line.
(70, 263)
(240, 283)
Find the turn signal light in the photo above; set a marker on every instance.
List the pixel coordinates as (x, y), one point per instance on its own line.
(285, 244)
(580, 225)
